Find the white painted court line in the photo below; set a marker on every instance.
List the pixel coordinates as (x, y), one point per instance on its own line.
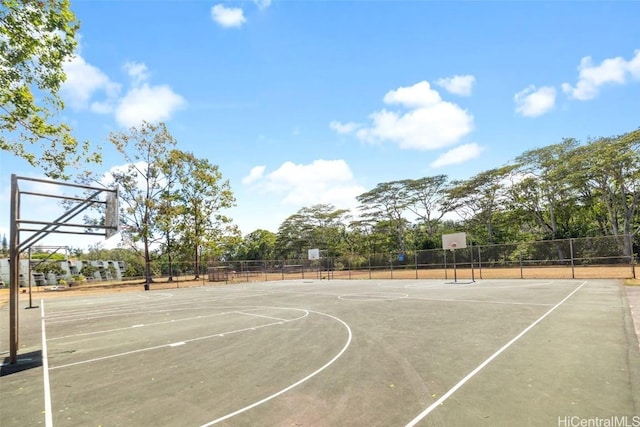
(260, 315)
(471, 374)
(157, 347)
(284, 390)
(48, 414)
(92, 313)
(480, 301)
(141, 325)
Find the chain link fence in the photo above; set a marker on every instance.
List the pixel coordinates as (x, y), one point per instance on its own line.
(586, 258)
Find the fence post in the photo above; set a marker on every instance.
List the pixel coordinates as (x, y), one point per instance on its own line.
(415, 258)
(473, 276)
(445, 264)
(264, 270)
(369, 267)
(391, 266)
(480, 262)
(573, 271)
(632, 256)
(521, 271)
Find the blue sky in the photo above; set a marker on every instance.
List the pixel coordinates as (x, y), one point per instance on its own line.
(306, 102)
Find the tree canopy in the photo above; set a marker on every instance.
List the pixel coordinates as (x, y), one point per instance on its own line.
(36, 38)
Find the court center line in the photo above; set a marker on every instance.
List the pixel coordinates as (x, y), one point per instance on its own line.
(48, 414)
(471, 374)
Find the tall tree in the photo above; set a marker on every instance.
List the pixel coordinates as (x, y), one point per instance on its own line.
(319, 226)
(427, 199)
(478, 198)
(167, 220)
(201, 196)
(36, 38)
(293, 237)
(611, 166)
(257, 245)
(326, 226)
(540, 191)
(388, 202)
(142, 183)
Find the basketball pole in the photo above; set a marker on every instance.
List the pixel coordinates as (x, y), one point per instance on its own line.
(455, 272)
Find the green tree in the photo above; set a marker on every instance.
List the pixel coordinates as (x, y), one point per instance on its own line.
(319, 226)
(5, 245)
(326, 227)
(541, 193)
(478, 199)
(36, 38)
(387, 204)
(293, 238)
(142, 184)
(198, 196)
(611, 166)
(257, 245)
(427, 200)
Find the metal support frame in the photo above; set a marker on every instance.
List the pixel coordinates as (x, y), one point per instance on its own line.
(58, 226)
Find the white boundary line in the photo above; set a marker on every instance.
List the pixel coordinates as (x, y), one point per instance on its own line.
(471, 374)
(48, 414)
(284, 390)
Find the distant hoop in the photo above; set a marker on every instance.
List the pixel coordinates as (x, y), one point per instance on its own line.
(454, 241)
(314, 254)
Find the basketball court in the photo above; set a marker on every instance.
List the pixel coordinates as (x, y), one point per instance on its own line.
(328, 353)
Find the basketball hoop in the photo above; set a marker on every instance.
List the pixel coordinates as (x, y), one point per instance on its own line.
(454, 241)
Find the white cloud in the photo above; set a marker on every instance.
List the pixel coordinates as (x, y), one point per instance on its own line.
(228, 17)
(458, 155)
(144, 101)
(262, 4)
(633, 66)
(533, 102)
(255, 174)
(141, 102)
(149, 103)
(138, 72)
(418, 95)
(321, 181)
(84, 81)
(344, 128)
(459, 85)
(610, 71)
(430, 123)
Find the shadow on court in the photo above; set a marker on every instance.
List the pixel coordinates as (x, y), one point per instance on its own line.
(25, 361)
(331, 353)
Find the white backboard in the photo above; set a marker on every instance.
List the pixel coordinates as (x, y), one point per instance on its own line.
(454, 241)
(314, 253)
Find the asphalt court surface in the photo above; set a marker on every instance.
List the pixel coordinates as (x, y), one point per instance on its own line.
(328, 353)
